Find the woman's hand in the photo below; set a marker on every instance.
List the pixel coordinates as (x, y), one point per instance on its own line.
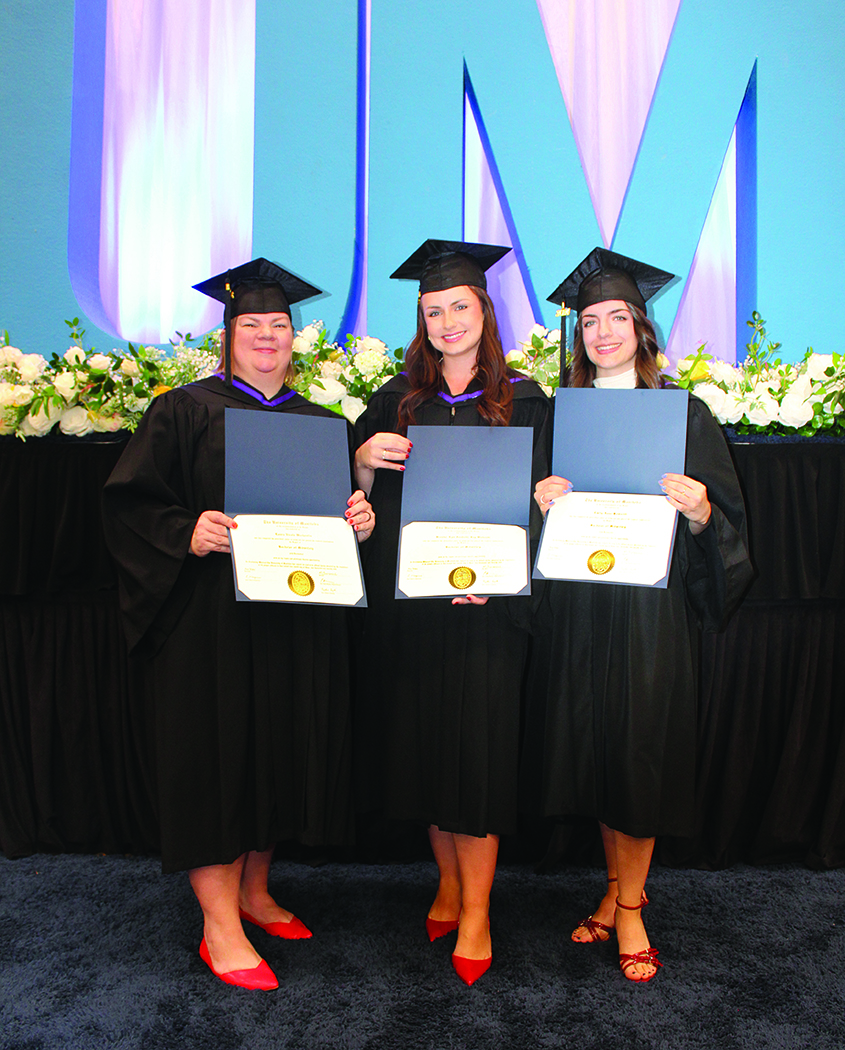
(548, 490)
(689, 497)
(360, 515)
(210, 533)
(382, 450)
(469, 599)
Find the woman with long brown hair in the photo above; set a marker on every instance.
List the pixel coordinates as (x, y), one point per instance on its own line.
(438, 718)
(613, 680)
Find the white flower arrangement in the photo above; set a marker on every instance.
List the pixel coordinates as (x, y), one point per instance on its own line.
(342, 379)
(539, 357)
(83, 392)
(762, 395)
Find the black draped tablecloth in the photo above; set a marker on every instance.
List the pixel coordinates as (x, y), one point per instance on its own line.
(75, 740)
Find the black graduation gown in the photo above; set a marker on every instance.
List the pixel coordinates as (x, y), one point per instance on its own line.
(612, 686)
(251, 699)
(437, 713)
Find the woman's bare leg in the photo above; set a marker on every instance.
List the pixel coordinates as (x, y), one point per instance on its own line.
(216, 888)
(447, 903)
(606, 911)
(477, 866)
(633, 857)
(254, 896)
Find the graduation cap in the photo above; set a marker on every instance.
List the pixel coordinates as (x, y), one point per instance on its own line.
(438, 265)
(606, 275)
(256, 287)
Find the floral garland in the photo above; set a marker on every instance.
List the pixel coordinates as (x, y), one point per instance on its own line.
(761, 395)
(82, 392)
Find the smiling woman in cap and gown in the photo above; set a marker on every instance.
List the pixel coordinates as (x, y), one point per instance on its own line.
(613, 682)
(438, 712)
(250, 699)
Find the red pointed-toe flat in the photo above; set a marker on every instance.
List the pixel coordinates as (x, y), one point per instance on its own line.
(259, 978)
(294, 930)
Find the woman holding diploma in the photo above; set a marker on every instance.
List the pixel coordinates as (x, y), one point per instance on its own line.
(613, 684)
(250, 699)
(438, 725)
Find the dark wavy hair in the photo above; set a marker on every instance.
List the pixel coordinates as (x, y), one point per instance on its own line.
(424, 369)
(583, 371)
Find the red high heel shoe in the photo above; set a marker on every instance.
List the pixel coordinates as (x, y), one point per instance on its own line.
(439, 927)
(293, 930)
(469, 970)
(260, 977)
(647, 957)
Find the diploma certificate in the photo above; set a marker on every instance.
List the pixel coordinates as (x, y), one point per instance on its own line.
(607, 538)
(449, 558)
(296, 558)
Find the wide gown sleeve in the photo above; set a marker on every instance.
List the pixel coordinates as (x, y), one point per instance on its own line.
(150, 511)
(717, 567)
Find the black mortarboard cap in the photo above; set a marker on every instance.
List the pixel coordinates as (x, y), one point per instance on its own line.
(607, 275)
(447, 264)
(257, 287)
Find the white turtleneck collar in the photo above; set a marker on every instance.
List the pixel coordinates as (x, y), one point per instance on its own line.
(624, 381)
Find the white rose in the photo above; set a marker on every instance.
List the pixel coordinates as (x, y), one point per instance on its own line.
(65, 383)
(795, 411)
(302, 346)
(9, 355)
(538, 330)
(351, 407)
(311, 332)
(369, 362)
(37, 424)
(129, 366)
(76, 421)
(368, 342)
(817, 364)
(15, 394)
(713, 396)
(327, 392)
(762, 410)
(31, 366)
(330, 369)
(515, 358)
(733, 409)
(99, 362)
(74, 355)
(554, 335)
(722, 372)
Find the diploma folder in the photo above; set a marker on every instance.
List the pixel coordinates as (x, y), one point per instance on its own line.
(479, 475)
(619, 441)
(284, 463)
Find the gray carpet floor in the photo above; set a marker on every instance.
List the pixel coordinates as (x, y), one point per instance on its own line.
(102, 952)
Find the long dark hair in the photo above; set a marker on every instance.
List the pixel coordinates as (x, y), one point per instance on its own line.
(583, 371)
(424, 369)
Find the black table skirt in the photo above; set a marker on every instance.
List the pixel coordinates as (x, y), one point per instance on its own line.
(75, 738)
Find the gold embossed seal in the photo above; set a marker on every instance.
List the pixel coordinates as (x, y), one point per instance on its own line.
(462, 577)
(301, 583)
(600, 562)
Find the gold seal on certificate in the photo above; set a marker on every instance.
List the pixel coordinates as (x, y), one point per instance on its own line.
(600, 562)
(301, 583)
(462, 577)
